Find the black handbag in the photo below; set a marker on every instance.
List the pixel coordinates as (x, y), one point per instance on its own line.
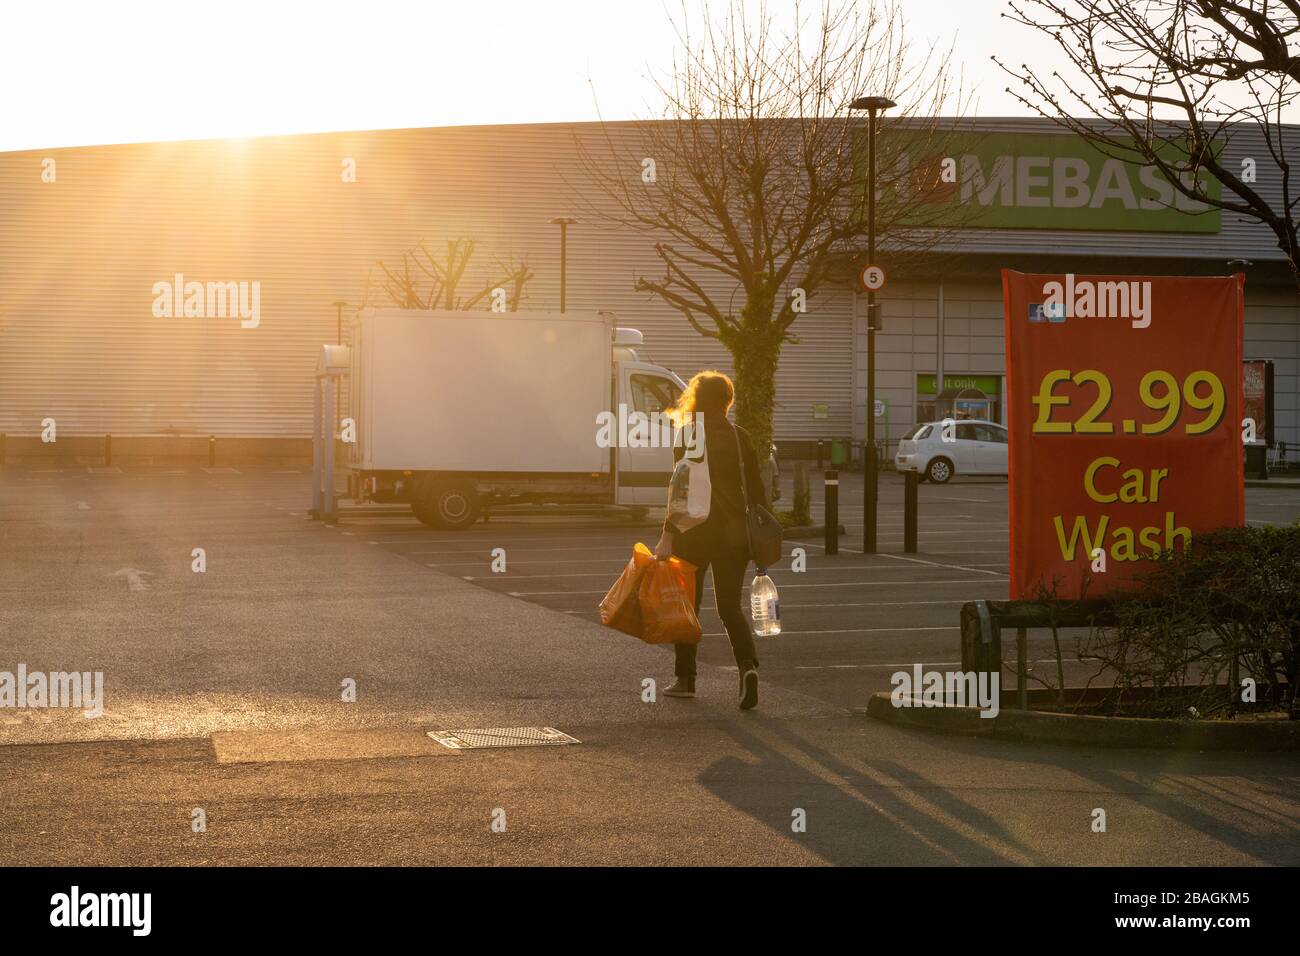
(761, 526)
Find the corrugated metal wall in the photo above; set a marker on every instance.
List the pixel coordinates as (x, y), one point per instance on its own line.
(79, 258)
(905, 345)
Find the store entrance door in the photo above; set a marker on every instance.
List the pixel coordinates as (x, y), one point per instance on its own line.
(966, 404)
(965, 396)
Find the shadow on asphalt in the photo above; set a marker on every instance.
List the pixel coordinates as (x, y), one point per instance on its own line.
(1153, 769)
(852, 819)
(885, 810)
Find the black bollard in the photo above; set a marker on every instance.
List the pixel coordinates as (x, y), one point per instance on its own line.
(910, 481)
(820, 466)
(870, 496)
(832, 511)
(108, 450)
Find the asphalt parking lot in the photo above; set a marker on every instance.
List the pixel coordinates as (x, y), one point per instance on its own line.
(849, 620)
(222, 692)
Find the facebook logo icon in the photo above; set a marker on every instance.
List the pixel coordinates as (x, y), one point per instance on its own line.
(1039, 313)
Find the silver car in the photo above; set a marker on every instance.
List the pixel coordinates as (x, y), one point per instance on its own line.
(939, 450)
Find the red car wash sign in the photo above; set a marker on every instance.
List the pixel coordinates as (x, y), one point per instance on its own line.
(1124, 404)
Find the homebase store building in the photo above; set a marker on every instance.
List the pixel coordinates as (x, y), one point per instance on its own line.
(87, 234)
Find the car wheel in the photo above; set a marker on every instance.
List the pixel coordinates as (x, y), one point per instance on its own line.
(452, 505)
(939, 470)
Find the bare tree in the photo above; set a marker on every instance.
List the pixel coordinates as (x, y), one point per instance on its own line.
(752, 181)
(406, 287)
(1170, 83)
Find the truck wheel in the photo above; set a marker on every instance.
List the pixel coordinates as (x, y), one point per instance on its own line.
(452, 505)
(939, 470)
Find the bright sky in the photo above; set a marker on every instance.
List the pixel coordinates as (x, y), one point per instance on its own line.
(81, 73)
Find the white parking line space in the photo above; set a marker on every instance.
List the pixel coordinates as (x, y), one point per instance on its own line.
(513, 576)
(935, 564)
(860, 630)
(894, 667)
(849, 544)
(785, 605)
(502, 539)
(784, 587)
(514, 550)
(843, 617)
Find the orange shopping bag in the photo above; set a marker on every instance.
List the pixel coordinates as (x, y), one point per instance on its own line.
(621, 608)
(667, 598)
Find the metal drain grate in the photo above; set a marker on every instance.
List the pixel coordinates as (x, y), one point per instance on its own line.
(483, 737)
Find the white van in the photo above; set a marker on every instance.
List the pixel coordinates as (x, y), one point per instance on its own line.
(457, 411)
(939, 450)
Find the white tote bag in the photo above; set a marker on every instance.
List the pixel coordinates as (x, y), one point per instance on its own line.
(690, 490)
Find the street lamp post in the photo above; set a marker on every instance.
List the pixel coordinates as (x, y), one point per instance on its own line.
(339, 307)
(873, 105)
(564, 224)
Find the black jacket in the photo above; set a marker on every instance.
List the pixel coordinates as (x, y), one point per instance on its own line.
(724, 529)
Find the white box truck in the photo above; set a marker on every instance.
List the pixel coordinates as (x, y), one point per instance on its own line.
(457, 411)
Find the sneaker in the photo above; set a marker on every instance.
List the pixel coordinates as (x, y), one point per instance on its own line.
(749, 689)
(682, 687)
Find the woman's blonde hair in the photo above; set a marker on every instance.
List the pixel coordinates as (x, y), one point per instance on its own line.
(708, 391)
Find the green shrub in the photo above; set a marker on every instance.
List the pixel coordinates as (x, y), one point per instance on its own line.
(1198, 622)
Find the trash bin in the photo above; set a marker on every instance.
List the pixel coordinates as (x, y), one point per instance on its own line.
(839, 451)
(1257, 462)
(981, 638)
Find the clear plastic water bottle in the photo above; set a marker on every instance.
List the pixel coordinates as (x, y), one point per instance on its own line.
(764, 605)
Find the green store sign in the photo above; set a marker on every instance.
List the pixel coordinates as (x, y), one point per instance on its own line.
(988, 384)
(1042, 181)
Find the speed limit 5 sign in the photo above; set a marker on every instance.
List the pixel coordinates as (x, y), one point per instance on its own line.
(873, 277)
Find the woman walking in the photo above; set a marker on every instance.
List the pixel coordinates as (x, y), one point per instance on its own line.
(721, 542)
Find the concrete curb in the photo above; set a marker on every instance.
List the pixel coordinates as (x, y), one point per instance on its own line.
(1032, 726)
(1279, 484)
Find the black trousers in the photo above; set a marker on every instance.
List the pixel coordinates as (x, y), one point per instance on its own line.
(728, 583)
